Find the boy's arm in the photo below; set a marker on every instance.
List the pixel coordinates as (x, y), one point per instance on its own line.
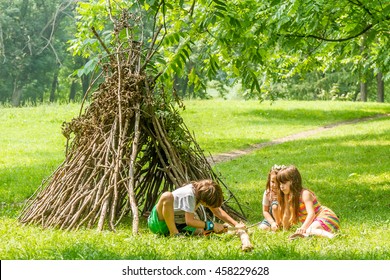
(222, 215)
(193, 222)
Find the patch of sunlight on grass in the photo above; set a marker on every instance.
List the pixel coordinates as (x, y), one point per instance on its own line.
(373, 180)
(372, 142)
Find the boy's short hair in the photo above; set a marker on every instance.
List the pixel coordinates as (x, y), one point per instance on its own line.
(208, 192)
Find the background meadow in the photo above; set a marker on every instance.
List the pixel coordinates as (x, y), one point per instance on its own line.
(347, 167)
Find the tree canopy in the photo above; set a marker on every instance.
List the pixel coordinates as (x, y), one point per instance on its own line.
(256, 43)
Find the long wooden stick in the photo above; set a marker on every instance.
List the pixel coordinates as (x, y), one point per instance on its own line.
(245, 241)
(131, 184)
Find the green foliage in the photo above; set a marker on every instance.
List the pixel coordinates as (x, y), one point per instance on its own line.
(32, 36)
(340, 85)
(253, 43)
(259, 43)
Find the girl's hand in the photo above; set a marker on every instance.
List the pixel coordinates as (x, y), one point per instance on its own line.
(300, 230)
(274, 226)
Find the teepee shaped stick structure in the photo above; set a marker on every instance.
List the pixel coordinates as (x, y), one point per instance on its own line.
(128, 147)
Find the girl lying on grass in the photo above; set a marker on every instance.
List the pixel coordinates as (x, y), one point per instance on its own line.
(174, 213)
(299, 204)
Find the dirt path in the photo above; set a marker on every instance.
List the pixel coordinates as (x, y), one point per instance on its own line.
(300, 135)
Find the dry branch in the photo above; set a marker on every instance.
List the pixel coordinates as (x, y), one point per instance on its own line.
(245, 241)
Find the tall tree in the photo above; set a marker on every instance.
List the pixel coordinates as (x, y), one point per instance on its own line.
(380, 87)
(29, 49)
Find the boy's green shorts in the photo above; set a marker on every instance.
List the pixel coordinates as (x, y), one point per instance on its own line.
(160, 227)
(155, 225)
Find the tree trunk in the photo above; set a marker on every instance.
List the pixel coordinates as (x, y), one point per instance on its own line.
(72, 92)
(381, 88)
(363, 82)
(54, 86)
(16, 94)
(363, 91)
(85, 80)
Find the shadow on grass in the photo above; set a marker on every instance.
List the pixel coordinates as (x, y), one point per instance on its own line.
(287, 125)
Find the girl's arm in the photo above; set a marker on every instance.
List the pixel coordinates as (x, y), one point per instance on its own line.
(307, 198)
(286, 213)
(286, 218)
(267, 201)
(218, 212)
(268, 217)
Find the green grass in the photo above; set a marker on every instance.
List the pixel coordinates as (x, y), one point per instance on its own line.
(347, 167)
(349, 170)
(221, 126)
(31, 147)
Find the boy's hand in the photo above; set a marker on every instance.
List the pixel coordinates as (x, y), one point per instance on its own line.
(219, 228)
(240, 225)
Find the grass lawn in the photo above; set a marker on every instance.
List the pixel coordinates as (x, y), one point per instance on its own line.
(347, 167)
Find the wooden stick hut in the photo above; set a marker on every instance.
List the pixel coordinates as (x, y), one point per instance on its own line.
(125, 149)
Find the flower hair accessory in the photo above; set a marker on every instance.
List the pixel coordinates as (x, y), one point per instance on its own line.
(278, 167)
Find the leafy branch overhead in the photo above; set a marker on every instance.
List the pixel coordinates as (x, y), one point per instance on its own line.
(254, 42)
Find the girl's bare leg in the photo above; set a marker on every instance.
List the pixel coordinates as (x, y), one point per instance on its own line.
(316, 229)
(264, 227)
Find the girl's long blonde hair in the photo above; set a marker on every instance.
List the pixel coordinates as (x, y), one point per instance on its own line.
(291, 174)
